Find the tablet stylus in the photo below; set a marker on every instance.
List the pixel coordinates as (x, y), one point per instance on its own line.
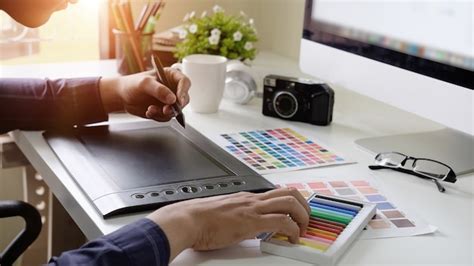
(160, 74)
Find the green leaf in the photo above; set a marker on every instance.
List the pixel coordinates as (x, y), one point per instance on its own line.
(228, 25)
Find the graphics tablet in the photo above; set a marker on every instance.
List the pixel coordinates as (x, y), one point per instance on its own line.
(144, 165)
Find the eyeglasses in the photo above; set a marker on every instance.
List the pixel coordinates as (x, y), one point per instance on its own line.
(421, 167)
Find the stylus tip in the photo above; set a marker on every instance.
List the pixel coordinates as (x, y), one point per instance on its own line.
(180, 119)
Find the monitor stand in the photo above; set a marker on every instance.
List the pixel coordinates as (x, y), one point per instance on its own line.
(449, 146)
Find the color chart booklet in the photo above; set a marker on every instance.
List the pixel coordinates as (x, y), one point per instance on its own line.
(390, 220)
(279, 150)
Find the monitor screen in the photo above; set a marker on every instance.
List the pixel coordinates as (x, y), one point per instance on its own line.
(430, 38)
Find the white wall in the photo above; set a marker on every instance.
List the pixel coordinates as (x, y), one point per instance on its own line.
(279, 22)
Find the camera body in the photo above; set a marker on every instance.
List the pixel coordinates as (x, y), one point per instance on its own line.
(298, 99)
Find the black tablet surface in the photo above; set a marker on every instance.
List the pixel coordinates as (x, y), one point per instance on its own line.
(144, 165)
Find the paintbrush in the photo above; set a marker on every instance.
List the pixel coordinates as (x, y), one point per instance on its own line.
(161, 75)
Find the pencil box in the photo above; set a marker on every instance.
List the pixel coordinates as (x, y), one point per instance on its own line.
(335, 223)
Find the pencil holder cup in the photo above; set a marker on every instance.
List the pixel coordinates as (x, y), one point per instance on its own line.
(133, 51)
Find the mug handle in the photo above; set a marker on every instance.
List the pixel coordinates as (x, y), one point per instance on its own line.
(236, 65)
(241, 84)
(177, 66)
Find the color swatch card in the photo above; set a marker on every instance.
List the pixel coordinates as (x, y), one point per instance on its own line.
(278, 150)
(389, 221)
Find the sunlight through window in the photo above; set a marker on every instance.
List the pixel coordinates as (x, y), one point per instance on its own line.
(70, 35)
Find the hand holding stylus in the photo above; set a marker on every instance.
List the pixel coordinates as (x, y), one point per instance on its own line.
(144, 96)
(161, 76)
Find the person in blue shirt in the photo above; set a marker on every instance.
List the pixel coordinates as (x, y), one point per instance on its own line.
(201, 224)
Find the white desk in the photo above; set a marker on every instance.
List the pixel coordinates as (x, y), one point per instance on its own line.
(355, 117)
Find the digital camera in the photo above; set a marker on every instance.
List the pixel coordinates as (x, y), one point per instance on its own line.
(298, 99)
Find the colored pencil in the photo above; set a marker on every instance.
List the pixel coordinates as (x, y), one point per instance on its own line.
(328, 225)
(320, 239)
(126, 13)
(324, 206)
(155, 14)
(328, 220)
(326, 228)
(330, 217)
(128, 57)
(347, 216)
(143, 17)
(314, 244)
(318, 234)
(337, 204)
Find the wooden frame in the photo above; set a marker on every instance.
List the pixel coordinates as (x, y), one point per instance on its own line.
(106, 37)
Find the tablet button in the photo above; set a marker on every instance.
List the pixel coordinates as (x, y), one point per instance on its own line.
(209, 187)
(237, 183)
(154, 194)
(189, 189)
(223, 185)
(169, 192)
(138, 196)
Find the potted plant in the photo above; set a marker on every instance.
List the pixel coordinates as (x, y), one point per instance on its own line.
(231, 36)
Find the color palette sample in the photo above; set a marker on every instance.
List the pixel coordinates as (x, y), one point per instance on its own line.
(278, 150)
(334, 223)
(389, 220)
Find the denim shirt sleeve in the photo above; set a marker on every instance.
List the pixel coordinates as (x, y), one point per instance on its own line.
(139, 243)
(40, 104)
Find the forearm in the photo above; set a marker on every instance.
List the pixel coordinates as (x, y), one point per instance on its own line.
(139, 243)
(111, 99)
(37, 104)
(180, 229)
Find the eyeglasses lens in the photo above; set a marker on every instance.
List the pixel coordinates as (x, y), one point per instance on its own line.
(390, 159)
(431, 169)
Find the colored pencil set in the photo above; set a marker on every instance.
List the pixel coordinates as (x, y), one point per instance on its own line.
(334, 224)
(134, 39)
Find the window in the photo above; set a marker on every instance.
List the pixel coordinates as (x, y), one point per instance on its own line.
(69, 35)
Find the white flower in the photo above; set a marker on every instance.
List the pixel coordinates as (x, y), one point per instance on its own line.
(251, 21)
(217, 9)
(186, 17)
(191, 16)
(238, 36)
(216, 32)
(182, 34)
(214, 39)
(248, 46)
(204, 14)
(193, 28)
(242, 13)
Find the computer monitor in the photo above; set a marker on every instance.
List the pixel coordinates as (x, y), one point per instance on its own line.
(415, 55)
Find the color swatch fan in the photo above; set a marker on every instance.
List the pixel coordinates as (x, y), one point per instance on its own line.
(278, 150)
(334, 224)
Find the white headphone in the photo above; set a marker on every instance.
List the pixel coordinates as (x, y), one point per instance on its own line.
(240, 83)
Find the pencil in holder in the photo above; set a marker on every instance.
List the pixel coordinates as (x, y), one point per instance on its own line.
(133, 51)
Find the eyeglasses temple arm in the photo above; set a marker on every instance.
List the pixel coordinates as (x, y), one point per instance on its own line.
(439, 186)
(377, 167)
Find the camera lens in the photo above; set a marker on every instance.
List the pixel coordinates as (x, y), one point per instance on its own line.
(285, 104)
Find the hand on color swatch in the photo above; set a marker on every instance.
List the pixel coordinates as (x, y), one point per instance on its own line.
(217, 222)
(142, 95)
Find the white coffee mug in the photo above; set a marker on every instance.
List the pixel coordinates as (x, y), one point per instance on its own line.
(207, 74)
